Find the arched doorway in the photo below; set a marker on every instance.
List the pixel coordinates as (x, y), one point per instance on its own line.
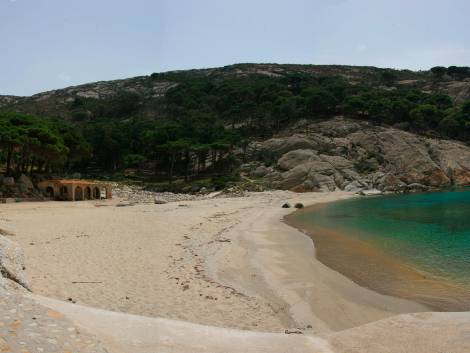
(96, 193)
(63, 192)
(50, 192)
(87, 193)
(78, 193)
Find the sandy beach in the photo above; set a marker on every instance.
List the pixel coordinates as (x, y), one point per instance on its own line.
(222, 262)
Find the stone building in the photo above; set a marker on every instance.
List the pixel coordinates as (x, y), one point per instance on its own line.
(75, 190)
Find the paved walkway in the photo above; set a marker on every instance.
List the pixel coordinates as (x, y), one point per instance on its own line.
(27, 327)
(406, 333)
(34, 324)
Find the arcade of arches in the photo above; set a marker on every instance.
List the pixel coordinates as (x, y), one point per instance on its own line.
(75, 190)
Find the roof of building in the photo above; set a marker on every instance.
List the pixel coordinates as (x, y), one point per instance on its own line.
(72, 181)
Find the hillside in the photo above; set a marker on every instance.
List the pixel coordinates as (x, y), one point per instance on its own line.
(151, 88)
(198, 125)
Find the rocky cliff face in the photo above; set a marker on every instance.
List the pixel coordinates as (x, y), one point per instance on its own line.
(354, 155)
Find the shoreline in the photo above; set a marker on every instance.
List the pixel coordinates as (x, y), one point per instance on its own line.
(222, 262)
(315, 295)
(357, 258)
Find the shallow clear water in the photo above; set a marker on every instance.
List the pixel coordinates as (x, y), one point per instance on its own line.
(428, 231)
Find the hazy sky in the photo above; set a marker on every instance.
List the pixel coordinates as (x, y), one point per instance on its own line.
(47, 44)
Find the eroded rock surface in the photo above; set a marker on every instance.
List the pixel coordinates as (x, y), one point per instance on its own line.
(355, 155)
(12, 265)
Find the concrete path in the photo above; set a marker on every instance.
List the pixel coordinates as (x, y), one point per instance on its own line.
(35, 324)
(28, 327)
(124, 333)
(408, 333)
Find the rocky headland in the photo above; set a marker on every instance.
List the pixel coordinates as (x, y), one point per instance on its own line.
(356, 155)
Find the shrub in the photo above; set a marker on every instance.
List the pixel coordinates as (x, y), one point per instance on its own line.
(221, 182)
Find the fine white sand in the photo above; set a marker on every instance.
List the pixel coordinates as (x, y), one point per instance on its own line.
(222, 262)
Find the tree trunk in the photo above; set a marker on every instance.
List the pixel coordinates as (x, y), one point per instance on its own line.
(187, 164)
(9, 157)
(33, 161)
(172, 164)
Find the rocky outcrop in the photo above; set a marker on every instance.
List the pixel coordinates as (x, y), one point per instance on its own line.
(25, 184)
(453, 159)
(276, 147)
(12, 264)
(354, 155)
(260, 171)
(21, 188)
(8, 100)
(305, 170)
(58, 102)
(294, 158)
(459, 91)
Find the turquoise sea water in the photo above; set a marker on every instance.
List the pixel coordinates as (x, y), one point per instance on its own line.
(430, 232)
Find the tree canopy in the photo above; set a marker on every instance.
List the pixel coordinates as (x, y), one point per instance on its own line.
(197, 125)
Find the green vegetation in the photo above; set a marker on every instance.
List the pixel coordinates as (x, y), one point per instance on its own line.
(28, 143)
(192, 131)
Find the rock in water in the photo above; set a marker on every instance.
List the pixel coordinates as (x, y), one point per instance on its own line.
(354, 186)
(370, 192)
(416, 187)
(299, 205)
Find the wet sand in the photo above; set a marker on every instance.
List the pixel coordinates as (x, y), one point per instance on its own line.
(371, 268)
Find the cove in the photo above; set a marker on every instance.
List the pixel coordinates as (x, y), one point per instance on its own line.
(414, 246)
